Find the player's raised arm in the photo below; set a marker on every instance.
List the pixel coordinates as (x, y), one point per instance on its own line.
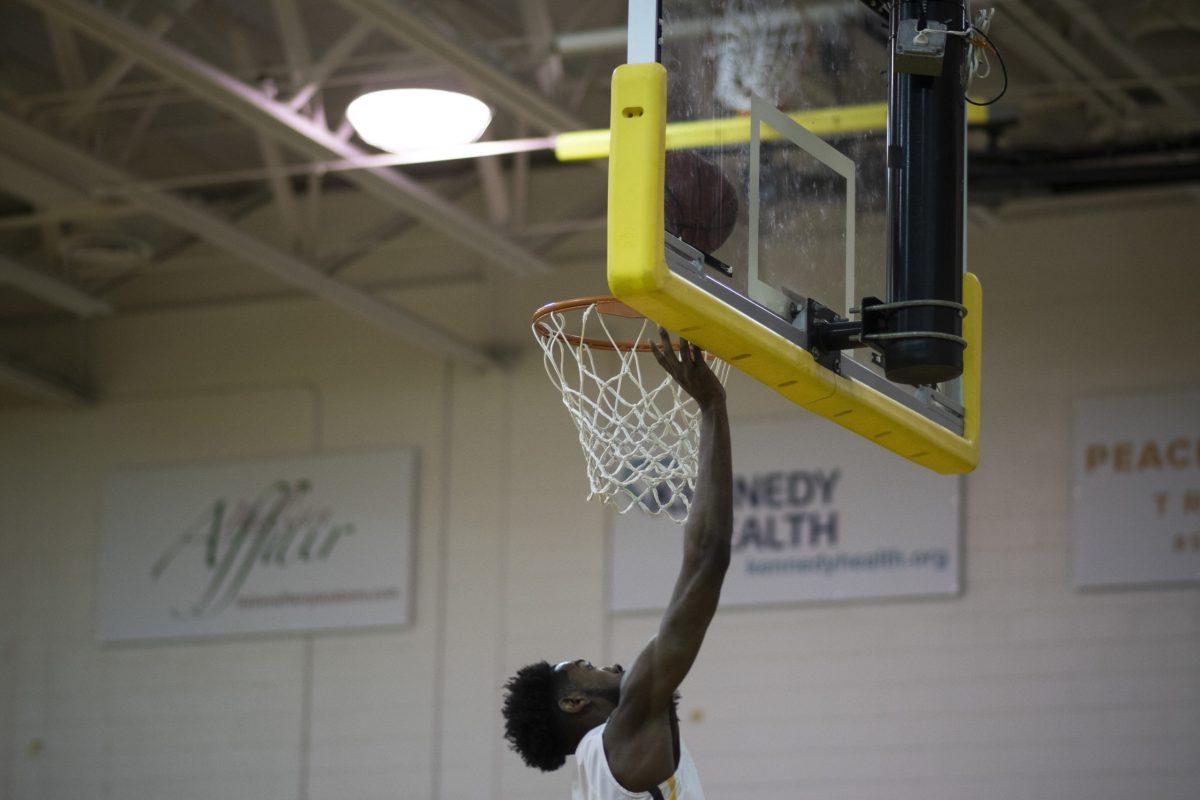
(637, 726)
(709, 529)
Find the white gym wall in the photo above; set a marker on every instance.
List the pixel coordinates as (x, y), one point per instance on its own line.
(1020, 688)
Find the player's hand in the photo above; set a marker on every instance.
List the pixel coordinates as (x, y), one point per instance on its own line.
(689, 369)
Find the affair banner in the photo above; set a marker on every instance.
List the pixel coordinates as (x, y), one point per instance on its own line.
(818, 515)
(1136, 495)
(286, 544)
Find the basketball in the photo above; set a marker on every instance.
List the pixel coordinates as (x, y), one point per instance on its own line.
(701, 203)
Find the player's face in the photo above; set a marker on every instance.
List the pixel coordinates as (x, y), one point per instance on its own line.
(604, 682)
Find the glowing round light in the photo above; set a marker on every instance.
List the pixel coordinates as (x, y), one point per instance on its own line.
(398, 120)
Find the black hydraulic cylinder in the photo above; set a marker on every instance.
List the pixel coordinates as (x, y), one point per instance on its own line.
(926, 141)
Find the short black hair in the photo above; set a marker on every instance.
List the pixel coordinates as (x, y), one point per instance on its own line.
(532, 719)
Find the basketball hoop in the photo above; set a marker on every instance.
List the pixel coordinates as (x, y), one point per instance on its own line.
(638, 429)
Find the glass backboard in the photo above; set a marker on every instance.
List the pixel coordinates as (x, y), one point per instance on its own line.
(809, 83)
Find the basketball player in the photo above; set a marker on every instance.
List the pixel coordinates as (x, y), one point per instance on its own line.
(621, 725)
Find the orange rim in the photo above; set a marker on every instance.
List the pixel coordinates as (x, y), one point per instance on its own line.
(606, 305)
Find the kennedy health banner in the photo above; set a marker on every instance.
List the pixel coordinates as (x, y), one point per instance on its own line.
(819, 514)
(284, 544)
(1136, 493)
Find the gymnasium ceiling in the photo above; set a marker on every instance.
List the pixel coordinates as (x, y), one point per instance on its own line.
(157, 154)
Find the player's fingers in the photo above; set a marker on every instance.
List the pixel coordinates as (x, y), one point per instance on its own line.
(685, 355)
(668, 349)
(658, 354)
(666, 358)
(689, 355)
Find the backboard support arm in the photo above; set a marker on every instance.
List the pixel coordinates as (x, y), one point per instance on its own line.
(926, 136)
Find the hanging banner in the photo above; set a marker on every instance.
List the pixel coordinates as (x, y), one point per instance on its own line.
(1136, 493)
(289, 544)
(819, 515)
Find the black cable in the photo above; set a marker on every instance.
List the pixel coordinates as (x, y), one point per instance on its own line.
(1003, 68)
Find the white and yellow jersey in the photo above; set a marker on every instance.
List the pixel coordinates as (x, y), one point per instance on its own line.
(595, 781)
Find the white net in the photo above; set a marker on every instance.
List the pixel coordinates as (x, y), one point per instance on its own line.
(638, 429)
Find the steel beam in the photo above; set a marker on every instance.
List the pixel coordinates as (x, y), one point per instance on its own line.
(495, 189)
(540, 28)
(270, 150)
(602, 40)
(295, 39)
(1056, 48)
(294, 130)
(115, 72)
(35, 186)
(525, 103)
(1086, 17)
(42, 385)
(61, 160)
(84, 210)
(137, 134)
(51, 289)
(334, 57)
(66, 54)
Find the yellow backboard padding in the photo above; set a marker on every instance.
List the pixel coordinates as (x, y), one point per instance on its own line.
(636, 173)
(581, 145)
(638, 275)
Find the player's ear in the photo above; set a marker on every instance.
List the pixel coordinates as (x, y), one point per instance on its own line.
(573, 703)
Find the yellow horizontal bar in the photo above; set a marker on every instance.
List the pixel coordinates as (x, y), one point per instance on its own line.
(583, 145)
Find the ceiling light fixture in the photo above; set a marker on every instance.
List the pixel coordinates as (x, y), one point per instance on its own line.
(399, 120)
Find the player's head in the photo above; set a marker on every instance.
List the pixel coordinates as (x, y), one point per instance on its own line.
(548, 708)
